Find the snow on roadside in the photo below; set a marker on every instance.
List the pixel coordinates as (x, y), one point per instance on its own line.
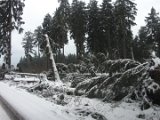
(3, 113)
(30, 106)
(77, 107)
(113, 111)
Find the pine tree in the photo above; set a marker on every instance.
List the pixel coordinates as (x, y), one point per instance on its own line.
(143, 43)
(28, 44)
(38, 38)
(48, 29)
(10, 18)
(78, 21)
(47, 24)
(125, 11)
(60, 23)
(152, 26)
(95, 37)
(108, 26)
(140, 47)
(158, 40)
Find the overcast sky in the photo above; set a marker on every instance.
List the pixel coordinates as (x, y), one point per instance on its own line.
(35, 10)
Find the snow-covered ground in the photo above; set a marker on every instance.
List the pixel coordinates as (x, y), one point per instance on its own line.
(32, 107)
(3, 113)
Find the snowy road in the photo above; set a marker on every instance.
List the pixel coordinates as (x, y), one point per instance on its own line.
(27, 106)
(30, 107)
(3, 113)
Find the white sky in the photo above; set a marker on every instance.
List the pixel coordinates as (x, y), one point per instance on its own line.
(35, 10)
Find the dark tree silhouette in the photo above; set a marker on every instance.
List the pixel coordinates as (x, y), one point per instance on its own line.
(10, 14)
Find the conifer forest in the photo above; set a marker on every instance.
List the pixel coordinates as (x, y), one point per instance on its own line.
(114, 73)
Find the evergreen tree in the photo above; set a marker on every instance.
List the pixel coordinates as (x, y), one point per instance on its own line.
(152, 26)
(143, 43)
(95, 37)
(48, 29)
(108, 26)
(28, 44)
(38, 38)
(53, 30)
(148, 39)
(60, 24)
(158, 40)
(47, 24)
(125, 11)
(78, 21)
(140, 48)
(10, 18)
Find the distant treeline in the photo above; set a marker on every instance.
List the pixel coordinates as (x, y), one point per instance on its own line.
(104, 28)
(38, 64)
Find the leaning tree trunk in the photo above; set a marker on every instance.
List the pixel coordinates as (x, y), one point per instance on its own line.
(51, 57)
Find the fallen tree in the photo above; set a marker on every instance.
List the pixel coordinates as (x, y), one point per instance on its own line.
(131, 79)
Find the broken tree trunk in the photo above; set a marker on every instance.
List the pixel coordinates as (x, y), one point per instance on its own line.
(51, 57)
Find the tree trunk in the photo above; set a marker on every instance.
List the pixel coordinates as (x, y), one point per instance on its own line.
(124, 48)
(9, 38)
(9, 51)
(117, 50)
(38, 51)
(77, 52)
(53, 64)
(63, 54)
(63, 50)
(109, 45)
(132, 54)
(47, 61)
